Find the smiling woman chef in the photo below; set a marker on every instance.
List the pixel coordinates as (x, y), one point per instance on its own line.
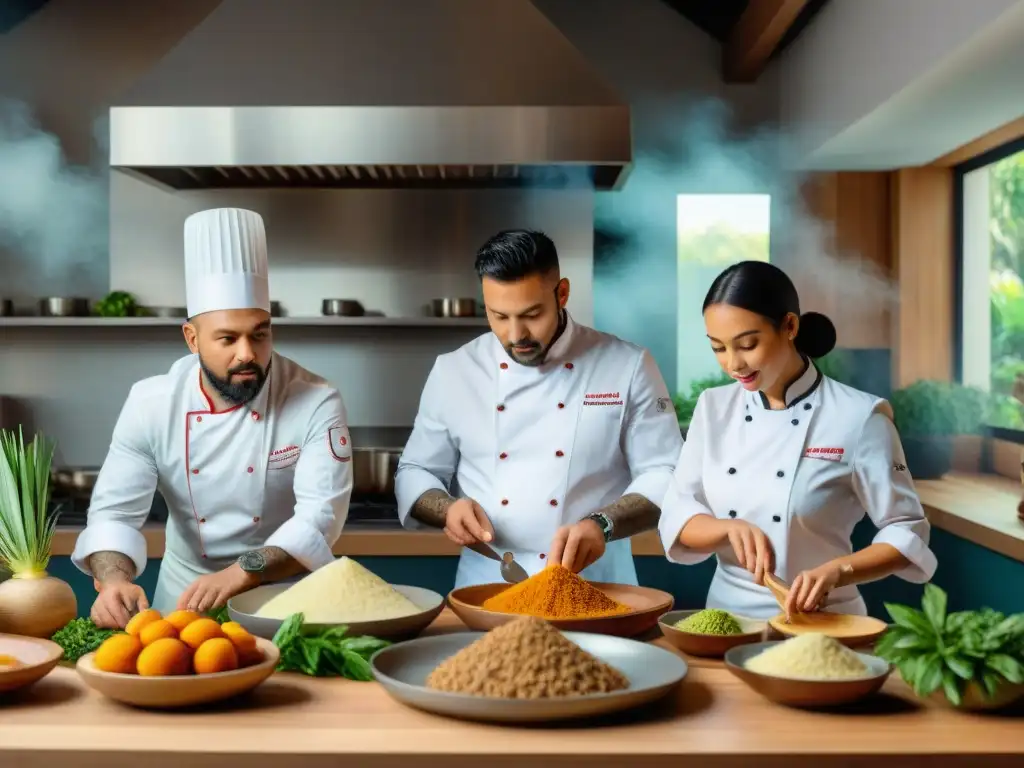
(555, 441)
(250, 451)
(778, 469)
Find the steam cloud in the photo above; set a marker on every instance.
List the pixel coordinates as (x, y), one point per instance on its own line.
(691, 150)
(54, 223)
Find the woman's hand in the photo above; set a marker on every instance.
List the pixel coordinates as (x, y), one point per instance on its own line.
(752, 547)
(810, 588)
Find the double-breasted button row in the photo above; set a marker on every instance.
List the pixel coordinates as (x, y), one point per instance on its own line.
(501, 406)
(775, 518)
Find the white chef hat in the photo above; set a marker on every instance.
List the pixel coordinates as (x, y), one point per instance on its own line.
(226, 261)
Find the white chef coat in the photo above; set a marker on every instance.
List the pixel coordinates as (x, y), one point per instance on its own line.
(805, 476)
(274, 472)
(541, 447)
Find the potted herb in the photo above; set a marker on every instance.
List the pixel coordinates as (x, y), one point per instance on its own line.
(32, 602)
(968, 659)
(928, 415)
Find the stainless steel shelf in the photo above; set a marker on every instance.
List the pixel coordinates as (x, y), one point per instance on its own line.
(368, 321)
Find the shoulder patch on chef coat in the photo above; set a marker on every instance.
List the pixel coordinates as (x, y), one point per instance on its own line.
(340, 444)
(899, 467)
(664, 405)
(826, 454)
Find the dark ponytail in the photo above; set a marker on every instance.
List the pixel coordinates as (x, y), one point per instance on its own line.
(766, 290)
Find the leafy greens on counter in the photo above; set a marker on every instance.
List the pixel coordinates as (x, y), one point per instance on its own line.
(79, 637)
(325, 653)
(934, 649)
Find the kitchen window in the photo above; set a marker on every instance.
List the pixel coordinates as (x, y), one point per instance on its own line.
(712, 232)
(990, 309)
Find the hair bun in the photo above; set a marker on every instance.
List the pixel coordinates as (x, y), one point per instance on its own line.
(817, 335)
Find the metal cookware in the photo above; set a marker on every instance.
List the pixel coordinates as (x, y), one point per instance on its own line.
(373, 471)
(453, 307)
(275, 309)
(6, 307)
(167, 311)
(342, 308)
(510, 570)
(57, 306)
(74, 481)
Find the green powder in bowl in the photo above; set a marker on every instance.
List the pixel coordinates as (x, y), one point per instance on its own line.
(710, 621)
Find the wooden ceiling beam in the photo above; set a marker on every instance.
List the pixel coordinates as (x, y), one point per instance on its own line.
(756, 36)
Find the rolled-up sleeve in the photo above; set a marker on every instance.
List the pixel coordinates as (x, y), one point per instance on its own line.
(685, 496)
(431, 456)
(652, 437)
(323, 487)
(884, 486)
(123, 494)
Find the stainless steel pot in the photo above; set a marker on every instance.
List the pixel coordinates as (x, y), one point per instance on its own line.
(57, 306)
(6, 307)
(342, 308)
(74, 481)
(453, 307)
(373, 471)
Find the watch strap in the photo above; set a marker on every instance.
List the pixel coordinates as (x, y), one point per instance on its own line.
(604, 523)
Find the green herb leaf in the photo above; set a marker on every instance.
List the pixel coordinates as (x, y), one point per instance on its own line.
(934, 604)
(909, 618)
(364, 644)
(916, 642)
(357, 667)
(79, 637)
(952, 687)
(990, 682)
(1007, 666)
(928, 676)
(961, 666)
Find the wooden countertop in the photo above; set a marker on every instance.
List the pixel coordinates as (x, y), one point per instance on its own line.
(979, 508)
(711, 720)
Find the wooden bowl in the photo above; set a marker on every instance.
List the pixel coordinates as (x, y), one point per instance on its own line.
(175, 691)
(697, 644)
(243, 608)
(37, 656)
(647, 604)
(852, 631)
(799, 692)
(975, 700)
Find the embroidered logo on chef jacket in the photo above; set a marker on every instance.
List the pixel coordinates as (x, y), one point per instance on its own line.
(665, 404)
(897, 467)
(338, 441)
(826, 454)
(602, 398)
(282, 458)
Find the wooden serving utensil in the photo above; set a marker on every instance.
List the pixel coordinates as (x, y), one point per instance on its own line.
(778, 587)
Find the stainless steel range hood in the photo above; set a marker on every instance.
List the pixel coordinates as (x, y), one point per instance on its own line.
(373, 93)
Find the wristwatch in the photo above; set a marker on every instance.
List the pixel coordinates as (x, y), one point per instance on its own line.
(253, 562)
(604, 523)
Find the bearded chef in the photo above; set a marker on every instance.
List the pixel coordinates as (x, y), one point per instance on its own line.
(779, 468)
(544, 438)
(250, 451)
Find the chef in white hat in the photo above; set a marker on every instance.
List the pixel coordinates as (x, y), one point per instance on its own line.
(250, 451)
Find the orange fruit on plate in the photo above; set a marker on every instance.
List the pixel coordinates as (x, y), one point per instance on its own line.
(181, 619)
(118, 653)
(166, 656)
(157, 630)
(250, 658)
(239, 636)
(199, 631)
(217, 654)
(140, 620)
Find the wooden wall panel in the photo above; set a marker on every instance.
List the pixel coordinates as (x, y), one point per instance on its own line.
(852, 281)
(923, 256)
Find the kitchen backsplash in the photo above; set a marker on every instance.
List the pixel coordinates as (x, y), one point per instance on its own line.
(391, 250)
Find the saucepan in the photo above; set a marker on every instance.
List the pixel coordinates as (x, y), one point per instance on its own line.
(57, 306)
(342, 308)
(74, 481)
(453, 307)
(373, 471)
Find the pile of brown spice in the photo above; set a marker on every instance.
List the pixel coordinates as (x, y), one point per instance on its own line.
(526, 658)
(555, 593)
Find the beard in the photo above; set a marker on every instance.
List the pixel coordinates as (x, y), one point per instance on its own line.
(532, 357)
(237, 391)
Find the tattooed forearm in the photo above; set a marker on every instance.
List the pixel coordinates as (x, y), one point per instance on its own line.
(431, 507)
(632, 514)
(279, 564)
(111, 566)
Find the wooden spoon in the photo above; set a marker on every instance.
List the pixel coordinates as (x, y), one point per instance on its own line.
(779, 589)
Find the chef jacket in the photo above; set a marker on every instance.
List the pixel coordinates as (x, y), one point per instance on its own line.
(274, 472)
(541, 447)
(804, 475)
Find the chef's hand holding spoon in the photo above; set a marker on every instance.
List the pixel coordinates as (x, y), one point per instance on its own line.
(810, 588)
(752, 547)
(465, 523)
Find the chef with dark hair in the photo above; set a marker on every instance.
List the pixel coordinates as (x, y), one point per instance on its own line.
(250, 451)
(543, 437)
(779, 467)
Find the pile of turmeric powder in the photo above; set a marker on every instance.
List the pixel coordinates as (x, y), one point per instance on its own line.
(555, 593)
